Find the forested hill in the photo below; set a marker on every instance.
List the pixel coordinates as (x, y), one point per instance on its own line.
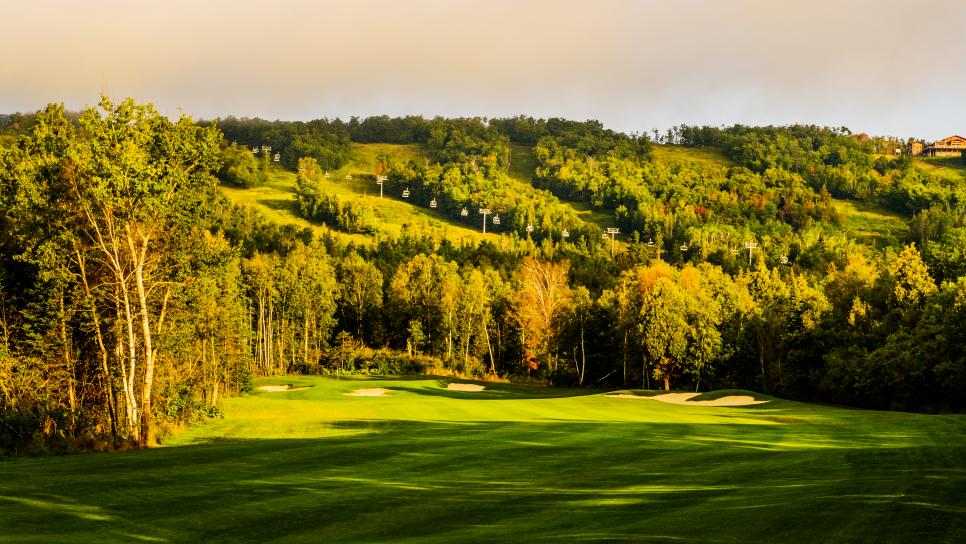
(149, 267)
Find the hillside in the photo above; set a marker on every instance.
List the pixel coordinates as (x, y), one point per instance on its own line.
(523, 164)
(421, 461)
(679, 153)
(278, 202)
(871, 224)
(949, 167)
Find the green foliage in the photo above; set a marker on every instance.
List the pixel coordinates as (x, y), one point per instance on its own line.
(240, 167)
(913, 283)
(325, 141)
(317, 205)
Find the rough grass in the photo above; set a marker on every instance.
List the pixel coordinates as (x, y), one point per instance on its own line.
(701, 155)
(276, 201)
(871, 224)
(277, 198)
(523, 164)
(948, 167)
(511, 463)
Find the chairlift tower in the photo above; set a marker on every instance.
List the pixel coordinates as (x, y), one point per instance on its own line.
(612, 231)
(379, 181)
(484, 212)
(750, 246)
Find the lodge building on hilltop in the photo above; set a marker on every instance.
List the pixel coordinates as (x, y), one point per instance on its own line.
(953, 146)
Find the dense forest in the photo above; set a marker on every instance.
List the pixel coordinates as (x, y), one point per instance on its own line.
(134, 295)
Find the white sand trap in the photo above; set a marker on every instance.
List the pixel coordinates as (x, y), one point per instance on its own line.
(685, 399)
(279, 388)
(467, 387)
(369, 392)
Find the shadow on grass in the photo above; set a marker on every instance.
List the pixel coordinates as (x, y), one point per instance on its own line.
(439, 481)
(288, 205)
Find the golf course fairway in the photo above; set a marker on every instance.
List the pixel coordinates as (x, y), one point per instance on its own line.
(410, 459)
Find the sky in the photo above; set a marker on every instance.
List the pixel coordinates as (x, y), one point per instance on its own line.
(885, 67)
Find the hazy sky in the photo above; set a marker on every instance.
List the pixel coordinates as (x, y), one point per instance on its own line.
(884, 66)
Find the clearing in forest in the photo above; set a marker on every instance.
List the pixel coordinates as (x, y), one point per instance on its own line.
(870, 223)
(277, 199)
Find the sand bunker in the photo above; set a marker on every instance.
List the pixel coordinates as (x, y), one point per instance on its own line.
(466, 387)
(279, 388)
(369, 392)
(685, 399)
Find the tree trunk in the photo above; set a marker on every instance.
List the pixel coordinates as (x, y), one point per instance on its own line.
(625, 358)
(305, 340)
(583, 356)
(105, 369)
(761, 359)
(138, 258)
(134, 422)
(489, 348)
(69, 366)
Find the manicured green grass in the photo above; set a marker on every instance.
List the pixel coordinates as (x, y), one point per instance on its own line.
(872, 224)
(510, 464)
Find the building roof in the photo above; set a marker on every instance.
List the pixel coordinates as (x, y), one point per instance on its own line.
(947, 139)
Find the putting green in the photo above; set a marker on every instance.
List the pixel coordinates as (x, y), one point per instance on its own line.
(424, 463)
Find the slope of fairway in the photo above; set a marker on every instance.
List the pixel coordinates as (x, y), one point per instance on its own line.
(424, 463)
